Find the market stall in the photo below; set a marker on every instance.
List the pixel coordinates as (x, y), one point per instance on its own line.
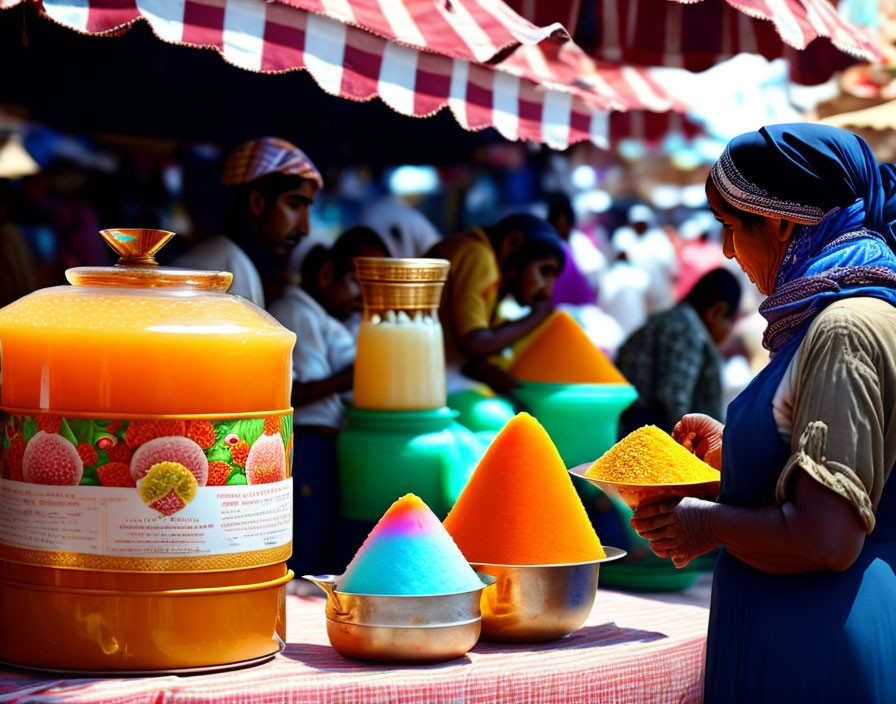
(490, 68)
(876, 125)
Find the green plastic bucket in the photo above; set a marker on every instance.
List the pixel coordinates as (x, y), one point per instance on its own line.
(480, 412)
(582, 419)
(386, 454)
(641, 570)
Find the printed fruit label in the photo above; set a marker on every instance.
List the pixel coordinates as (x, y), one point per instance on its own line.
(147, 494)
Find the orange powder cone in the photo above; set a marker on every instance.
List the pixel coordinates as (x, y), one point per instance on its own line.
(520, 506)
(562, 353)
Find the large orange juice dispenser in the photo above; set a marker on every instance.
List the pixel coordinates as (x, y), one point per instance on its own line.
(145, 498)
(400, 437)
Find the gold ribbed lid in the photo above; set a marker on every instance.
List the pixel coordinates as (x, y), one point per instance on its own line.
(401, 270)
(137, 267)
(386, 295)
(401, 284)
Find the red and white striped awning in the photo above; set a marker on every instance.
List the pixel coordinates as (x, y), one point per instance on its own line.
(697, 34)
(650, 127)
(489, 66)
(798, 22)
(709, 29)
(475, 30)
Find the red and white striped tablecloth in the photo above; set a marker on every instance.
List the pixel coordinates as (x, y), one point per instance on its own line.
(631, 649)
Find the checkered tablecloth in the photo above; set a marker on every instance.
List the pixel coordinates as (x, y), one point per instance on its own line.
(631, 649)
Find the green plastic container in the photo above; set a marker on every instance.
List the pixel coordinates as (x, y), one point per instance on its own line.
(480, 413)
(582, 419)
(641, 570)
(649, 577)
(386, 454)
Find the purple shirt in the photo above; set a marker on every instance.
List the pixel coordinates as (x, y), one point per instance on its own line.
(572, 286)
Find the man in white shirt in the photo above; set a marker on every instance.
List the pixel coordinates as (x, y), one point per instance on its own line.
(276, 185)
(404, 230)
(323, 357)
(648, 248)
(623, 294)
(323, 365)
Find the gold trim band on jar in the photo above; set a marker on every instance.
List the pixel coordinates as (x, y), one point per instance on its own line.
(119, 593)
(106, 563)
(14, 410)
(381, 296)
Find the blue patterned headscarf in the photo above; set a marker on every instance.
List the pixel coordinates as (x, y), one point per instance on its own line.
(828, 181)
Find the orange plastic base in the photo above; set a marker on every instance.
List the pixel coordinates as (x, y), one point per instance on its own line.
(126, 622)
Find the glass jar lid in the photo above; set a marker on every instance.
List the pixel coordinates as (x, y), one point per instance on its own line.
(137, 267)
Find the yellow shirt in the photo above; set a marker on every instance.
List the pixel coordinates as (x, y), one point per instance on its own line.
(470, 297)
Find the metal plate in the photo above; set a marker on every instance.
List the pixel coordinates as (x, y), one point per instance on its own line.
(633, 495)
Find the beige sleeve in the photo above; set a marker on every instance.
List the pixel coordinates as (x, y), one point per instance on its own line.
(839, 421)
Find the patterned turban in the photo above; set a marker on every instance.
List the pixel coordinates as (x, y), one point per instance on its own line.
(260, 157)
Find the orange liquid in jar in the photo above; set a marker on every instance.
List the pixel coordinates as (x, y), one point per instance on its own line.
(101, 352)
(131, 353)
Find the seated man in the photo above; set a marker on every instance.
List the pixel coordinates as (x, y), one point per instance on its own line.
(520, 256)
(673, 360)
(323, 362)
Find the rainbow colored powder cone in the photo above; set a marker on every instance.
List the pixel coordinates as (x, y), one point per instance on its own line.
(408, 553)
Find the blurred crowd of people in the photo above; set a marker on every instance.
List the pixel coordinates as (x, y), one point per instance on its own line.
(652, 290)
(79, 188)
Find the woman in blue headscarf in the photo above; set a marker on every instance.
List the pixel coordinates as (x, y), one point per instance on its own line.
(804, 593)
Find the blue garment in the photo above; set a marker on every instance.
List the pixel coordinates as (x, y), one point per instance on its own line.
(828, 180)
(836, 259)
(815, 637)
(822, 248)
(315, 512)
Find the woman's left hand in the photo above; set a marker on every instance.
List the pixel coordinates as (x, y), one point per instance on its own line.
(680, 530)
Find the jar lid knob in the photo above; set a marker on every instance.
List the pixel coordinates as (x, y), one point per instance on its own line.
(136, 246)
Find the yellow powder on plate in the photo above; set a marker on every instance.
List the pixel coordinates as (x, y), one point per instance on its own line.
(650, 456)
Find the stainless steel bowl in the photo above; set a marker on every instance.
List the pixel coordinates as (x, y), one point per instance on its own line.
(401, 628)
(537, 603)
